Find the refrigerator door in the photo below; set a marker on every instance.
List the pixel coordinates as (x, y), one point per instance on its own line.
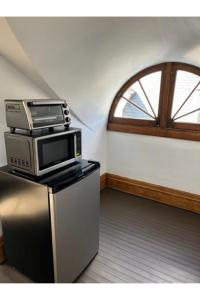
(75, 226)
(24, 211)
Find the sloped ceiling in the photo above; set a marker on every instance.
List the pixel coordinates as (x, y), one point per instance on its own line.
(86, 60)
(13, 52)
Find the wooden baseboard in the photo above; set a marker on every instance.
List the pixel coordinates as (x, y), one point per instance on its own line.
(2, 252)
(103, 183)
(155, 192)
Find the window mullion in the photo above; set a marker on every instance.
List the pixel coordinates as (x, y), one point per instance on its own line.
(166, 95)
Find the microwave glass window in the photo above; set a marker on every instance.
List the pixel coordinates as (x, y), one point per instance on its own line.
(55, 150)
(46, 114)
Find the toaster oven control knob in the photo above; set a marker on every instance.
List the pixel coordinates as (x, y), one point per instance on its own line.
(66, 112)
(67, 119)
(64, 105)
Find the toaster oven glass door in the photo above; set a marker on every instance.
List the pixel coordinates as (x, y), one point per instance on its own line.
(52, 151)
(45, 115)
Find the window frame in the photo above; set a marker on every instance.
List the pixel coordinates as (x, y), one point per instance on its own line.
(164, 126)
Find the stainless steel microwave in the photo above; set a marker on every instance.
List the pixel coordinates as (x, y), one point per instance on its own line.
(42, 151)
(36, 114)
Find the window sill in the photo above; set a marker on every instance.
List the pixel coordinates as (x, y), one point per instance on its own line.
(156, 131)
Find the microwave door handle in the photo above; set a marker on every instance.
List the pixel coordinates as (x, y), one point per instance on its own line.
(75, 145)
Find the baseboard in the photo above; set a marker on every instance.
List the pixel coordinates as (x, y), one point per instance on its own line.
(155, 192)
(103, 183)
(2, 252)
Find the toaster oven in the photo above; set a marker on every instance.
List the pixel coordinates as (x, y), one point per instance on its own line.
(36, 114)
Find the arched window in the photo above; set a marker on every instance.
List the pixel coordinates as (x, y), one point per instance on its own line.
(162, 100)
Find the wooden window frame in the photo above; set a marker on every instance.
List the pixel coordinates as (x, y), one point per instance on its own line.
(164, 126)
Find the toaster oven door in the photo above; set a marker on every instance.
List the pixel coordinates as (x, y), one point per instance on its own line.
(46, 115)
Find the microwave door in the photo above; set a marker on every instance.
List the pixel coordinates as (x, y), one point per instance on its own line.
(55, 152)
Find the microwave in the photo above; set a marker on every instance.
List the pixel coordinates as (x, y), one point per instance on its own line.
(36, 114)
(42, 151)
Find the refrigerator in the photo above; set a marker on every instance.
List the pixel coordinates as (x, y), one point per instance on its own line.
(51, 223)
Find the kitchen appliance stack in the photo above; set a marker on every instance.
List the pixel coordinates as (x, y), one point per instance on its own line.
(49, 195)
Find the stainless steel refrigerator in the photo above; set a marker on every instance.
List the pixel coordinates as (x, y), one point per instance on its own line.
(51, 223)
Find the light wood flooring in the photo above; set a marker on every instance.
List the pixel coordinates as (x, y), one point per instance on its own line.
(141, 241)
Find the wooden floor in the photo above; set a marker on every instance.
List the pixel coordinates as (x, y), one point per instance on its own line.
(140, 241)
(145, 241)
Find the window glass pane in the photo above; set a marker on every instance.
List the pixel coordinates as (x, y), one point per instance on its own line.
(125, 109)
(185, 83)
(191, 118)
(145, 95)
(136, 95)
(151, 85)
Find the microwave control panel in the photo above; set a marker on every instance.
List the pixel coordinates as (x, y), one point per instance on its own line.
(18, 152)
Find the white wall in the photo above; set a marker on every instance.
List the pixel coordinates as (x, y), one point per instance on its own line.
(94, 142)
(167, 162)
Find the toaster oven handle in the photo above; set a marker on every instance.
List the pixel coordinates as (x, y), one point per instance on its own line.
(45, 118)
(40, 102)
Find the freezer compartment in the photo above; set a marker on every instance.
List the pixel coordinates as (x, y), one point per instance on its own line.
(75, 226)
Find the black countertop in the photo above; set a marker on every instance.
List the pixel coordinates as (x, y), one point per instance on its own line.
(61, 178)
